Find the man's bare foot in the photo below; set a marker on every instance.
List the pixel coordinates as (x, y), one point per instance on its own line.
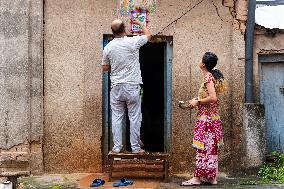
(141, 151)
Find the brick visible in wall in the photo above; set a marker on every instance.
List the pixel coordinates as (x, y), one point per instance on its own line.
(36, 159)
(238, 9)
(228, 3)
(241, 10)
(15, 161)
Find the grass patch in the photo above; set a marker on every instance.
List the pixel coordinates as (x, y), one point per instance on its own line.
(48, 183)
(272, 172)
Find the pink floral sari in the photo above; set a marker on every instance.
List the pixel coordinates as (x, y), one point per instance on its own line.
(207, 135)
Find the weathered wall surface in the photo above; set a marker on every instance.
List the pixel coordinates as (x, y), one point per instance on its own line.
(73, 48)
(254, 136)
(265, 42)
(21, 87)
(238, 10)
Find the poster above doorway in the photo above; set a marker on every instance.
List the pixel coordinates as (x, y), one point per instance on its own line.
(126, 6)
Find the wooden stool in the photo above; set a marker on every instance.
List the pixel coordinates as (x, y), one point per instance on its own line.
(146, 162)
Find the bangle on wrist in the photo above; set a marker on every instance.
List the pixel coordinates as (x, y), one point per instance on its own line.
(199, 101)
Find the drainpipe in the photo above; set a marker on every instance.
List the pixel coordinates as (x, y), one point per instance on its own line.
(249, 52)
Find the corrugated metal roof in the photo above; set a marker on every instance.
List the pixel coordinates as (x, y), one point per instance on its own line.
(270, 16)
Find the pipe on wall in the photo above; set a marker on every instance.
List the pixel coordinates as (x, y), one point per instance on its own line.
(249, 38)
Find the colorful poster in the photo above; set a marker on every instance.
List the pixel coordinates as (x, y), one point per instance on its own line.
(126, 6)
(142, 16)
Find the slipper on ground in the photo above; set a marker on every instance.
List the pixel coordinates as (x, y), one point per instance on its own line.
(123, 182)
(97, 183)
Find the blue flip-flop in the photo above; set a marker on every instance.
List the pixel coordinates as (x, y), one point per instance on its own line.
(97, 183)
(123, 182)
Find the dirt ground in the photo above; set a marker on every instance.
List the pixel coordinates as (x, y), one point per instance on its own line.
(83, 181)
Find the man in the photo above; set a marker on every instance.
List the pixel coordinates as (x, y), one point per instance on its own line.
(121, 58)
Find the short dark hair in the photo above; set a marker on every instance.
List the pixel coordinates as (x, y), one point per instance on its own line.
(210, 60)
(119, 30)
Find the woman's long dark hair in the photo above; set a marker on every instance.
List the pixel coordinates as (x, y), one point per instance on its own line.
(217, 74)
(210, 61)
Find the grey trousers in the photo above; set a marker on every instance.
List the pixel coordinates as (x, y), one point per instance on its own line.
(122, 96)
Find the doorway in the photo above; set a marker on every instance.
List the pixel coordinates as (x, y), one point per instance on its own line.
(152, 70)
(272, 96)
(156, 70)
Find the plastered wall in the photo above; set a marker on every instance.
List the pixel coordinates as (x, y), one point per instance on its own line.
(73, 81)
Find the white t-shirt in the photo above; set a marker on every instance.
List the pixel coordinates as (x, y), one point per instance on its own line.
(122, 54)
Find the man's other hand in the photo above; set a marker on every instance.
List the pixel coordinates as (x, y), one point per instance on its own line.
(136, 21)
(145, 30)
(106, 68)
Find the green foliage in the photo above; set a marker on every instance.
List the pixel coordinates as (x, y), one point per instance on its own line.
(273, 171)
(27, 184)
(55, 186)
(47, 183)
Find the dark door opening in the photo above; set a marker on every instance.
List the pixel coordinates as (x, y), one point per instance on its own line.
(156, 67)
(152, 70)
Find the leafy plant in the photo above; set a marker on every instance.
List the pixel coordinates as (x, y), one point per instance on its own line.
(55, 186)
(273, 171)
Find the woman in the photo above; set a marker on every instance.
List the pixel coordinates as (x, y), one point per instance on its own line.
(207, 131)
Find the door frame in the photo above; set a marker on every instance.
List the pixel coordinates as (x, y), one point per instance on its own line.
(263, 59)
(266, 59)
(106, 122)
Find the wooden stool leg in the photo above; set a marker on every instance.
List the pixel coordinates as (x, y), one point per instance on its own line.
(166, 178)
(110, 169)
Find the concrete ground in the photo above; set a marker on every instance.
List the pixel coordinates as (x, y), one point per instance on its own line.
(82, 181)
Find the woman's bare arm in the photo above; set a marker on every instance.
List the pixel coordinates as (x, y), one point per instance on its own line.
(212, 97)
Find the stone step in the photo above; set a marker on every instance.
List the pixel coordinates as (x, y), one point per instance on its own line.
(12, 173)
